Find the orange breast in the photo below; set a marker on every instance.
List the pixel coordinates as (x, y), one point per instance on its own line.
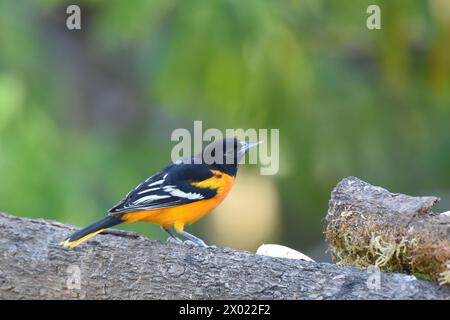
(189, 213)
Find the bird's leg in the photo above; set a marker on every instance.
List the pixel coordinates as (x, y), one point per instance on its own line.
(172, 237)
(193, 239)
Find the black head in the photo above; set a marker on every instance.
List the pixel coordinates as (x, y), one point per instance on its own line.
(226, 154)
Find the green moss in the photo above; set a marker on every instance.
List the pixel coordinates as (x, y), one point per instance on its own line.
(422, 276)
(361, 241)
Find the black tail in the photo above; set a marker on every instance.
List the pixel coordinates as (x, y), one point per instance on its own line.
(90, 231)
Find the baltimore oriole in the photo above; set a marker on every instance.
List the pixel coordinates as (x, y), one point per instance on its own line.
(178, 195)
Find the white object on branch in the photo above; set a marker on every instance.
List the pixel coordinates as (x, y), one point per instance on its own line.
(278, 251)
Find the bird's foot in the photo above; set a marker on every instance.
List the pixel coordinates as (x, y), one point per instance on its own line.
(174, 240)
(199, 243)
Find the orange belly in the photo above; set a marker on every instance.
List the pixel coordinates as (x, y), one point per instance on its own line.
(178, 216)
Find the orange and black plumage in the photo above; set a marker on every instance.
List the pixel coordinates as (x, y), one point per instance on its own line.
(178, 195)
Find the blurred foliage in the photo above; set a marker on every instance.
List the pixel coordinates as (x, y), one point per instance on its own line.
(86, 115)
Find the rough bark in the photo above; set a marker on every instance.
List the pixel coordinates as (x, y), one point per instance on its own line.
(124, 265)
(368, 225)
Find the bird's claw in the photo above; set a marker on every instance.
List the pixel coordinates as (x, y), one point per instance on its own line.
(195, 244)
(174, 240)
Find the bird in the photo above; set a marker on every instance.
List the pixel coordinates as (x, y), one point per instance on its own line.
(180, 194)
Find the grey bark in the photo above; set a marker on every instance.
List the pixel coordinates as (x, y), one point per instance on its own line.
(363, 197)
(124, 265)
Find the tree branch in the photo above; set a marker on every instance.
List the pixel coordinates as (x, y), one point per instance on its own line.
(124, 265)
(368, 225)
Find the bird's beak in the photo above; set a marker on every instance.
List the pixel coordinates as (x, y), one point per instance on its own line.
(249, 145)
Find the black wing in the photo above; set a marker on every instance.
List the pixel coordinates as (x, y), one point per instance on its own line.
(170, 187)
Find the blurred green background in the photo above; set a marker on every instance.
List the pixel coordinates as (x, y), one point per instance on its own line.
(87, 115)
